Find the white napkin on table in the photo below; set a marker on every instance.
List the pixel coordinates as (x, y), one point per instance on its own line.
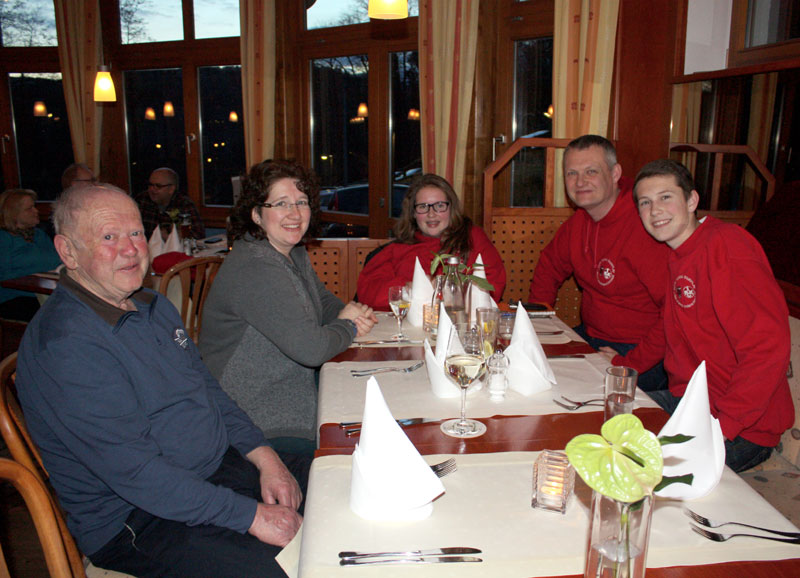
(173, 242)
(441, 385)
(477, 296)
(528, 370)
(703, 456)
(389, 481)
(421, 293)
(156, 244)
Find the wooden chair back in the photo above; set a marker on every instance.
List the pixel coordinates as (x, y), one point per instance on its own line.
(196, 277)
(26, 454)
(45, 517)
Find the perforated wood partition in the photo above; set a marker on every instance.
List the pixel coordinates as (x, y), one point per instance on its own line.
(520, 235)
(339, 261)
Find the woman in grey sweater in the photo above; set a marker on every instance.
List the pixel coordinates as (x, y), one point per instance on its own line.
(269, 321)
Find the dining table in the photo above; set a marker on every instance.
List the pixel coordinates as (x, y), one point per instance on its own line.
(41, 283)
(487, 500)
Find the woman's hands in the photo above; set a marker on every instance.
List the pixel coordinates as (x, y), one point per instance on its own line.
(360, 314)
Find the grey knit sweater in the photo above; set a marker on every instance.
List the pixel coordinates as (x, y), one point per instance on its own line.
(268, 323)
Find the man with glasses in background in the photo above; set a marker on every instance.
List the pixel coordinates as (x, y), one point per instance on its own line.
(164, 205)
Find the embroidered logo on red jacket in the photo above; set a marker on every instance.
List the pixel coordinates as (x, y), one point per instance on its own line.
(684, 291)
(605, 271)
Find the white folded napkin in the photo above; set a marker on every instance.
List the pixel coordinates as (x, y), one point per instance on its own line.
(703, 456)
(441, 385)
(477, 296)
(173, 242)
(155, 244)
(389, 481)
(421, 293)
(528, 370)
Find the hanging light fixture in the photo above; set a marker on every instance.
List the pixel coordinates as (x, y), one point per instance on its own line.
(233, 117)
(413, 114)
(149, 113)
(169, 110)
(39, 108)
(388, 9)
(104, 86)
(362, 110)
(549, 112)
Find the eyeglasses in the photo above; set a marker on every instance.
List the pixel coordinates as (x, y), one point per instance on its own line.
(424, 208)
(283, 206)
(158, 186)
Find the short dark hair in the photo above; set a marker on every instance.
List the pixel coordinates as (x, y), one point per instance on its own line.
(594, 140)
(666, 168)
(256, 186)
(173, 176)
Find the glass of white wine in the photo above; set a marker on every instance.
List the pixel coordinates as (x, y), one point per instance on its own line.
(464, 363)
(400, 302)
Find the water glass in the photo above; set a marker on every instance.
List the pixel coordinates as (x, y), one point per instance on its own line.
(430, 319)
(487, 319)
(505, 328)
(620, 390)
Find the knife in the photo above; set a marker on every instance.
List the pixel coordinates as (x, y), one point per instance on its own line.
(418, 560)
(356, 428)
(567, 356)
(402, 422)
(410, 553)
(386, 342)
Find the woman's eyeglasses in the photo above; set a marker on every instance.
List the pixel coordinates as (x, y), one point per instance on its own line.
(424, 208)
(301, 205)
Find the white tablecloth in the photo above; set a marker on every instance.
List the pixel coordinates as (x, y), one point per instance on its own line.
(487, 506)
(341, 396)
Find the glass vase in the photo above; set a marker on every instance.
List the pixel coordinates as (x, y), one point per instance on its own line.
(618, 536)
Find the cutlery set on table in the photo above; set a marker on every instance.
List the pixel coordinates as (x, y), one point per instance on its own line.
(789, 537)
(433, 556)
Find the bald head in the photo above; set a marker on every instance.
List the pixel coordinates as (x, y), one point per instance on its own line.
(77, 174)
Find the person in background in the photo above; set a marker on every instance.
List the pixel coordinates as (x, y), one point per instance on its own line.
(269, 321)
(621, 270)
(431, 222)
(159, 472)
(724, 308)
(78, 175)
(24, 249)
(163, 204)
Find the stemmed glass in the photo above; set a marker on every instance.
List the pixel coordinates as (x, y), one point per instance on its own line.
(464, 363)
(400, 302)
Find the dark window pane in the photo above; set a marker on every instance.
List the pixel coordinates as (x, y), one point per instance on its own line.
(772, 21)
(339, 119)
(41, 130)
(532, 99)
(216, 18)
(406, 153)
(155, 139)
(150, 20)
(28, 23)
(221, 131)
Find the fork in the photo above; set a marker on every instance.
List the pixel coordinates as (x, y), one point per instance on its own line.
(723, 537)
(716, 524)
(368, 372)
(446, 467)
(577, 404)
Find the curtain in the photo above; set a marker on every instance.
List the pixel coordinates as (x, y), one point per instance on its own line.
(80, 51)
(258, 78)
(762, 106)
(685, 125)
(448, 38)
(583, 65)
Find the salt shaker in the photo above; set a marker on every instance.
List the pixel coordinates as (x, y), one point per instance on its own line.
(498, 370)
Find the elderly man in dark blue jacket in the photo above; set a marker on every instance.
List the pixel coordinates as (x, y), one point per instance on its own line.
(159, 472)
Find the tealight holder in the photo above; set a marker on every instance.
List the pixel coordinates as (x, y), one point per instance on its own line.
(553, 481)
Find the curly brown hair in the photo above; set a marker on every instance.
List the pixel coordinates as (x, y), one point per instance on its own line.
(455, 238)
(256, 186)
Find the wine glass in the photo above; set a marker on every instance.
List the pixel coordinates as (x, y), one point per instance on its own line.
(400, 302)
(464, 363)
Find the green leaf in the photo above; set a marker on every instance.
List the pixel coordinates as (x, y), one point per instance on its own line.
(667, 480)
(481, 283)
(625, 463)
(676, 439)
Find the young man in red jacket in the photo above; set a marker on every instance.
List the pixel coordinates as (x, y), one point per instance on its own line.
(724, 307)
(620, 268)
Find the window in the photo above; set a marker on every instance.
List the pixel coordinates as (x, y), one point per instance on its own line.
(329, 13)
(150, 21)
(28, 23)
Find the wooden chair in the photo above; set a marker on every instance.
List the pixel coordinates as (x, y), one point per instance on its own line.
(196, 276)
(42, 510)
(26, 454)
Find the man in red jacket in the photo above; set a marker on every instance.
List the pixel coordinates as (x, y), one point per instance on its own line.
(725, 308)
(620, 268)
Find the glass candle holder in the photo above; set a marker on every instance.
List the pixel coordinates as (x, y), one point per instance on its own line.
(553, 481)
